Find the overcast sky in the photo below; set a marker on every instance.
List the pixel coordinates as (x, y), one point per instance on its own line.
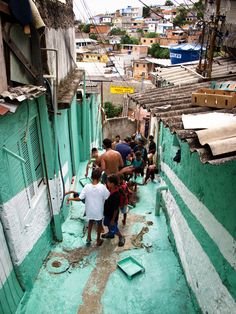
(103, 6)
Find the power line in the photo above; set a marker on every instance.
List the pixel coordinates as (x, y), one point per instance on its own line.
(99, 71)
(97, 32)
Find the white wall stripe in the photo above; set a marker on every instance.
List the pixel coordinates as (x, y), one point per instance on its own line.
(24, 231)
(221, 237)
(213, 297)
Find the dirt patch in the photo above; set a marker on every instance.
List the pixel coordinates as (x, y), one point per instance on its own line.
(137, 239)
(93, 291)
(106, 264)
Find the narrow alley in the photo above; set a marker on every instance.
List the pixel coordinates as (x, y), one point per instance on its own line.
(89, 96)
(90, 282)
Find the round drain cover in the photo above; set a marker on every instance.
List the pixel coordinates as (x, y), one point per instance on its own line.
(57, 265)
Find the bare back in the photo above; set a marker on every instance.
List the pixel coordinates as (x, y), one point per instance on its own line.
(111, 161)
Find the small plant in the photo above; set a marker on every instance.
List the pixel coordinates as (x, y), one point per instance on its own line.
(151, 35)
(157, 52)
(93, 36)
(111, 110)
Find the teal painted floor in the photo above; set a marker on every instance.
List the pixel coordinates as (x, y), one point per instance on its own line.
(94, 284)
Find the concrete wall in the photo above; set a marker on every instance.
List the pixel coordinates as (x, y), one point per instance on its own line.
(200, 205)
(122, 126)
(117, 99)
(64, 41)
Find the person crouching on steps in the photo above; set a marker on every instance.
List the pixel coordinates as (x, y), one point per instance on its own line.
(95, 195)
(111, 210)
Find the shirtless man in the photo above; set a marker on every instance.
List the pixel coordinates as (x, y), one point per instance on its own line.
(111, 160)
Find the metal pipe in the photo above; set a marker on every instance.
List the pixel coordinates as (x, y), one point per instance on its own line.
(158, 198)
(13, 154)
(57, 221)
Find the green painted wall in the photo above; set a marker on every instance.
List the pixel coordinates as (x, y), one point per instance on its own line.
(78, 127)
(64, 142)
(219, 196)
(12, 128)
(10, 295)
(95, 120)
(47, 136)
(214, 186)
(74, 121)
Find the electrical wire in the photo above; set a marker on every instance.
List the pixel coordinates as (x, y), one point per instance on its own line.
(99, 71)
(99, 35)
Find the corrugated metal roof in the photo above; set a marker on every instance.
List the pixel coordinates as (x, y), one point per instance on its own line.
(186, 73)
(168, 104)
(10, 99)
(21, 93)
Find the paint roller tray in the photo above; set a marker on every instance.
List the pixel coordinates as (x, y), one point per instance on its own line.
(130, 266)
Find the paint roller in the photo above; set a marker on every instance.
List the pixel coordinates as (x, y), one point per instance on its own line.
(36, 17)
(26, 12)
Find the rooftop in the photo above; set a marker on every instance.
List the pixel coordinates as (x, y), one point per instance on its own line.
(186, 73)
(169, 104)
(11, 98)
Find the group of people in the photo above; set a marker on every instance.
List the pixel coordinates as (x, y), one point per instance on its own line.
(110, 190)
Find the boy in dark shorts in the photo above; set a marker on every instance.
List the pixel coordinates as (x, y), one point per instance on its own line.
(111, 210)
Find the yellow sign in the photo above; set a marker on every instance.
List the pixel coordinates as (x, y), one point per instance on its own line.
(121, 89)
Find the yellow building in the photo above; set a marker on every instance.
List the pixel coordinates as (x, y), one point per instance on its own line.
(142, 68)
(92, 57)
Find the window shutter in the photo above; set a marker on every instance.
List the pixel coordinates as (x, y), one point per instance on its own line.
(35, 146)
(28, 171)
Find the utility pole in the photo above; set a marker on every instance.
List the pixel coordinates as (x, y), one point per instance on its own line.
(139, 110)
(200, 67)
(213, 35)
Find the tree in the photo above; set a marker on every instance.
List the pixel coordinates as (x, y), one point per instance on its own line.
(112, 111)
(86, 28)
(134, 40)
(169, 3)
(199, 8)
(93, 36)
(146, 12)
(157, 52)
(140, 31)
(180, 18)
(151, 35)
(127, 40)
(117, 31)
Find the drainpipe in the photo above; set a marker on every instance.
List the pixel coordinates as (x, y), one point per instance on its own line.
(55, 196)
(158, 198)
(85, 122)
(159, 145)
